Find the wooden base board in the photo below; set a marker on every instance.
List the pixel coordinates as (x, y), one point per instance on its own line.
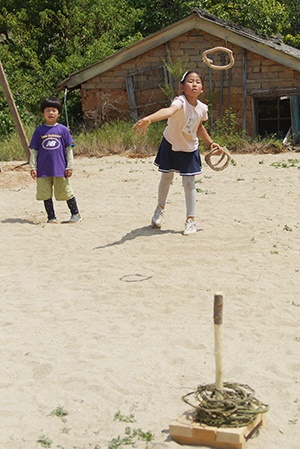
(185, 431)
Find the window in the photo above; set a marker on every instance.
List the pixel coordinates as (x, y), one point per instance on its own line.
(273, 117)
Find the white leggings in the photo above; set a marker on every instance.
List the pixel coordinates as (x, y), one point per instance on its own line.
(188, 183)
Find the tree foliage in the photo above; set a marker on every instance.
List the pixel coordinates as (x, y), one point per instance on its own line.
(43, 41)
(292, 32)
(268, 17)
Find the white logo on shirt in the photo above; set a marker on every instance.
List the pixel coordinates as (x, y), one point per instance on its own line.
(51, 144)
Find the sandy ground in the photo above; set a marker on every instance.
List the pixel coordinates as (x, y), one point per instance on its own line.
(110, 316)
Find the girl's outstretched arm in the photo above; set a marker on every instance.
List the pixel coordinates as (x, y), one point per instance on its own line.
(141, 125)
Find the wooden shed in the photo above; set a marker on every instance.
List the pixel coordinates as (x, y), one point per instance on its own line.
(262, 88)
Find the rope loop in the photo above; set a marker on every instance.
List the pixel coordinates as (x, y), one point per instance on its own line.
(237, 407)
(210, 63)
(217, 165)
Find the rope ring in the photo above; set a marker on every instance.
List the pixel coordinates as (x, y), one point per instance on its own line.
(237, 407)
(209, 62)
(216, 165)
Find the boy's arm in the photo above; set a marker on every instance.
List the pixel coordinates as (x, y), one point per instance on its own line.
(33, 159)
(70, 158)
(70, 162)
(33, 162)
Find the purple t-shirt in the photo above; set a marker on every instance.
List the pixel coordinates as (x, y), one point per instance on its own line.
(51, 141)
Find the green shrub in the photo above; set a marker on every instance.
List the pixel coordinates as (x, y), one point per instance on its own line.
(227, 134)
(118, 138)
(11, 148)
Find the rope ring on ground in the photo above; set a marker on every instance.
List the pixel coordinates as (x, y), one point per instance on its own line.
(223, 155)
(210, 63)
(237, 407)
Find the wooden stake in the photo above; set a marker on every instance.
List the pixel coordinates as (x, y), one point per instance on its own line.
(218, 320)
(14, 112)
(186, 431)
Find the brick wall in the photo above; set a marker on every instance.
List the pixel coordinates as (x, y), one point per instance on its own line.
(227, 86)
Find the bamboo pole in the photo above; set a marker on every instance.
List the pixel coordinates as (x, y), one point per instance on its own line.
(14, 112)
(218, 320)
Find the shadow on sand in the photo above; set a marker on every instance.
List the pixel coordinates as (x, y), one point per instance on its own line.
(146, 231)
(19, 220)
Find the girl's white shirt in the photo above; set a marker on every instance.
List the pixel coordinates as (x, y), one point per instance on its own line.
(181, 130)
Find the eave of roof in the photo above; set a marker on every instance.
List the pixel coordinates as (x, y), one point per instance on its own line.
(199, 20)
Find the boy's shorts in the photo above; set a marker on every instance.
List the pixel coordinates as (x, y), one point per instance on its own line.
(62, 188)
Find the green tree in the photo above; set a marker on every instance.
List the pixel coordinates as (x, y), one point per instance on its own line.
(268, 17)
(291, 33)
(42, 42)
(158, 14)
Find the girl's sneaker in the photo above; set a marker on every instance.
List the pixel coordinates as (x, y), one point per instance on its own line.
(158, 217)
(190, 227)
(52, 221)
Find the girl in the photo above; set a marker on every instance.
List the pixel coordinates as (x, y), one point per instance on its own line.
(178, 151)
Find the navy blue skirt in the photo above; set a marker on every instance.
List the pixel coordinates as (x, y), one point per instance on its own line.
(187, 164)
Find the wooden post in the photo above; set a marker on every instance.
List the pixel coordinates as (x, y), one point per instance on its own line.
(222, 86)
(244, 97)
(185, 430)
(218, 320)
(131, 97)
(14, 112)
(211, 118)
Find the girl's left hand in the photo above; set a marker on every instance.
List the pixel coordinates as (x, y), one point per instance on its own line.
(216, 148)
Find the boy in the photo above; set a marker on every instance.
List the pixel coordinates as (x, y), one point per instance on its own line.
(51, 161)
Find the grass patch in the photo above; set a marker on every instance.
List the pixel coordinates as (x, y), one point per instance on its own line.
(206, 192)
(60, 412)
(131, 436)
(44, 441)
(287, 164)
(118, 137)
(124, 418)
(11, 148)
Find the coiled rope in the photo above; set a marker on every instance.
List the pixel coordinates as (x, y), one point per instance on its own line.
(210, 63)
(221, 161)
(237, 407)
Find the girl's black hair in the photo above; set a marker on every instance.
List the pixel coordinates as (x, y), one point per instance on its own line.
(51, 102)
(183, 78)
